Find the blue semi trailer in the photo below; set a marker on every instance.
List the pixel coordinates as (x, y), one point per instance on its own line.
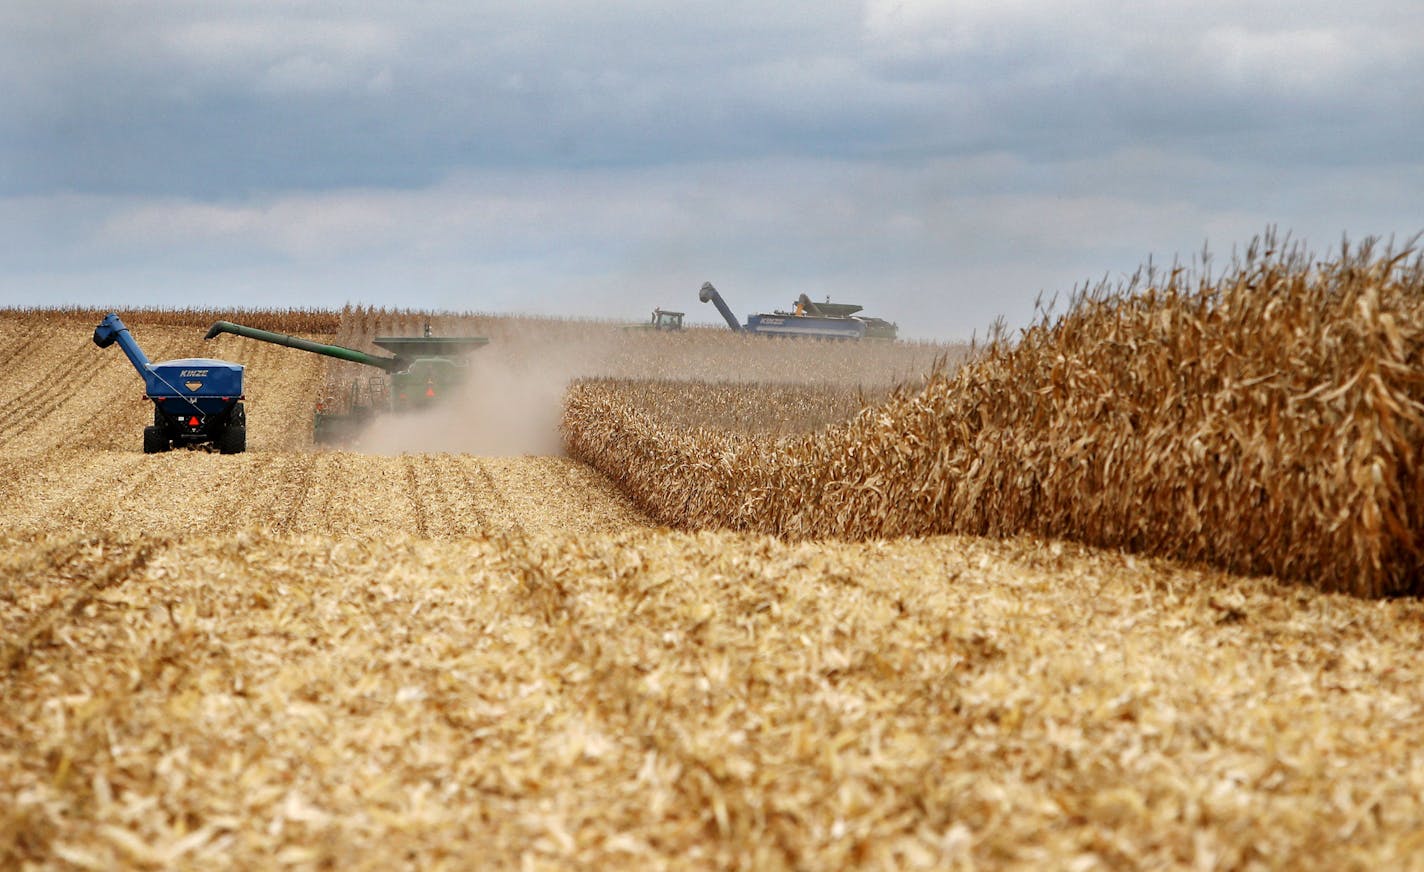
(196, 400)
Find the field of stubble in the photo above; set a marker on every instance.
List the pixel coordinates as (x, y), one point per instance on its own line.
(293, 658)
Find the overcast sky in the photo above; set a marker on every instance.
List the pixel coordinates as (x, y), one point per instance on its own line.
(940, 161)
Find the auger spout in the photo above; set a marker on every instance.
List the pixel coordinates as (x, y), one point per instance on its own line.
(709, 293)
(112, 330)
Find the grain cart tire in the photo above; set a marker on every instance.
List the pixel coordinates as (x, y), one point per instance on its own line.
(155, 441)
(233, 440)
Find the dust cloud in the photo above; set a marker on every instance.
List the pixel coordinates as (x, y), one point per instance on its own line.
(510, 405)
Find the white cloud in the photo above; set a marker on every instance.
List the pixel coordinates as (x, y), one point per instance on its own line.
(1275, 45)
(259, 39)
(916, 28)
(285, 55)
(1283, 59)
(944, 246)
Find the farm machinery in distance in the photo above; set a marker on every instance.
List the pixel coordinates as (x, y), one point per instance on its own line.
(662, 321)
(424, 371)
(196, 400)
(808, 319)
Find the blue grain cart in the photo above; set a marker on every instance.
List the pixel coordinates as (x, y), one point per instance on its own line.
(196, 400)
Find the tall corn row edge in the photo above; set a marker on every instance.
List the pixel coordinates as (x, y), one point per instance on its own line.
(308, 321)
(1267, 421)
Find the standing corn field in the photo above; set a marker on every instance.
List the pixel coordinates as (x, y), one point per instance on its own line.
(1268, 421)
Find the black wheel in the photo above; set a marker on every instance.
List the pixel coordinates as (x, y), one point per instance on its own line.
(155, 441)
(233, 440)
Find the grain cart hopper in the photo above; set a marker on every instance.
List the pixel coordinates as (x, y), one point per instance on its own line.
(815, 320)
(425, 370)
(875, 328)
(196, 400)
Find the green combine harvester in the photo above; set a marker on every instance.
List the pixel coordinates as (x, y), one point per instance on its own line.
(425, 370)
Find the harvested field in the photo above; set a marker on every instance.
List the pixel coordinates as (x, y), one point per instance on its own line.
(305, 659)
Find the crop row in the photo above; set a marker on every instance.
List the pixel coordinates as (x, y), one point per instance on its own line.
(311, 321)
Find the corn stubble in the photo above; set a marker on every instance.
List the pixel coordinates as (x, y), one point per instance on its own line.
(316, 659)
(1266, 421)
(653, 699)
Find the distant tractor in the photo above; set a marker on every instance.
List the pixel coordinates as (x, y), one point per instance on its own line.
(807, 319)
(425, 370)
(196, 400)
(662, 320)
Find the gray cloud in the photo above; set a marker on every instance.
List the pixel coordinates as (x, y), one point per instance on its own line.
(942, 162)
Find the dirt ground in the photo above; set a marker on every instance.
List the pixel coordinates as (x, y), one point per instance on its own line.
(313, 659)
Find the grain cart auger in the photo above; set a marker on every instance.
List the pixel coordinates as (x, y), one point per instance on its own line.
(196, 400)
(425, 370)
(806, 319)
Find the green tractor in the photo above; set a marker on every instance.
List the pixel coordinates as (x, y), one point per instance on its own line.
(425, 370)
(662, 320)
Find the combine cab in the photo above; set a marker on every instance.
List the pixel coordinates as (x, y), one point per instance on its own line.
(196, 400)
(815, 320)
(425, 370)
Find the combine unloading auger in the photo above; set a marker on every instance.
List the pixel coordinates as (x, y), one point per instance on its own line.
(425, 369)
(341, 352)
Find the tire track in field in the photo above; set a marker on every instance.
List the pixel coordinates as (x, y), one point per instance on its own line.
(599, 503)
(103, 413)
(459, 498)
(76, 491)
(21, 416)
(295, 490)
(53, 378)
(27, 339)
(470, 508)
(139, 478)
(501, 515)
(356, 495)
(204, 493)
(557, 495)
(446, 506)
(51, 368)
(418, 496)
(61, 491)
